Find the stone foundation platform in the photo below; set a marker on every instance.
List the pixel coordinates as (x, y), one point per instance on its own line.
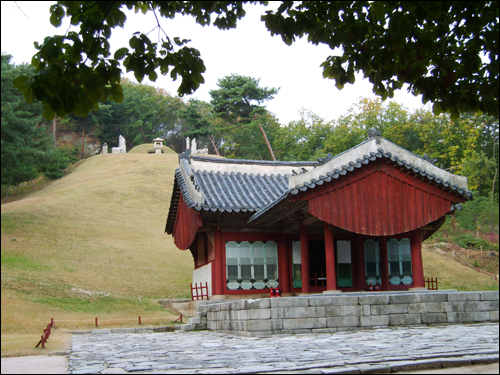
(347, 311)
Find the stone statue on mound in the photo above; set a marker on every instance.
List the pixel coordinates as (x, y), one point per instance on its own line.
(122, 148)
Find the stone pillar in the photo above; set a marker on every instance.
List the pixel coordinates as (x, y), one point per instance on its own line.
(104, 148)
(384, 263)
(331, 274)
(218, 272)
(416, 259)
(194, 147)
(283, 264)
(304, 256)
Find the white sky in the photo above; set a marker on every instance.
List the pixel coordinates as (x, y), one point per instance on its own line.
(247, 50)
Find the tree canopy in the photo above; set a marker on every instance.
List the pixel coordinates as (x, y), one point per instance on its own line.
(239, 104)
(446, 51)
(27, 149)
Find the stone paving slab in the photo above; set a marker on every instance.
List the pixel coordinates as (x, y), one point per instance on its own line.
(361, 352)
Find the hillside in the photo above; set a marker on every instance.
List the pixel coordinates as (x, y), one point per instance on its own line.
(92, 244)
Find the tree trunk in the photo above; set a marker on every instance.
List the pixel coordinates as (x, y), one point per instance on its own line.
(54, 132)
(143, 136)
(267, 141)
(496, 172)
(8, 188)
(213, 144)
(83, 139)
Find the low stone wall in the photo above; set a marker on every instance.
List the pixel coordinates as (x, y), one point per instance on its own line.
(348, 311)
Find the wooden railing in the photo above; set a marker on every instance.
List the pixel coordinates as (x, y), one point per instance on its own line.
(199, 292)
(431, 283)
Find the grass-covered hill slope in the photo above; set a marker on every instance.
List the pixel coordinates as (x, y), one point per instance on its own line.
(92, 244)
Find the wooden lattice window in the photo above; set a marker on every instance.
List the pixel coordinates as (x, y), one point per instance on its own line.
(251, 264)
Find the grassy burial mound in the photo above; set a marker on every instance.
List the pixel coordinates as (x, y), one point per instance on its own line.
(143, 149)
(92, 244)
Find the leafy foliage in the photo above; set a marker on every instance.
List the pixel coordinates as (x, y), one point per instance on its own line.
(479, 214)
(146, 112)
(20, 132)
(434, 47)
(67, 83)
(26, 146)
(196, 123)
(446, 51)
(303, 139)
(468, 145)
(469, 241)
(53, 161)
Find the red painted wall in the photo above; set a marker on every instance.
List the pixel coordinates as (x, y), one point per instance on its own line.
(379, 200)
(186, 226)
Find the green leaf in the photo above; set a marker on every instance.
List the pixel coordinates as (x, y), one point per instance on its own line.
(153, 76)
(28, 95)
(120, 53)
(56, 15)
(48, 112)
(20, 81)
(436, 108)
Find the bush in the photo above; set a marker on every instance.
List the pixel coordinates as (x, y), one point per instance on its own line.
(468, 241)
(52, 163)
(481, 213)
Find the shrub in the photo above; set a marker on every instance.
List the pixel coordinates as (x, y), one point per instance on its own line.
(468, 241)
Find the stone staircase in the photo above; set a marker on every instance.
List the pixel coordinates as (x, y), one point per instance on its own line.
(199, 322)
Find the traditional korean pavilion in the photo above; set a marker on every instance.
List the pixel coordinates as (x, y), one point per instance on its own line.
(341, 223)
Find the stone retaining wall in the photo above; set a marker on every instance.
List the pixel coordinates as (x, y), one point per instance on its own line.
(348, 311)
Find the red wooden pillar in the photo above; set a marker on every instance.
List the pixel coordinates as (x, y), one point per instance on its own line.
(331, 274)
(384, 263)
(284, 271)
(416, 259)
(358, 252)
(217, 271)
(304, 256)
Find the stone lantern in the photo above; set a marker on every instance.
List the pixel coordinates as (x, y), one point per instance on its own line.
(158, 144)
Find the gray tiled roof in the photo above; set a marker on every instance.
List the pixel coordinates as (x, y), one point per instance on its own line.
(232, 190)
(228, 185)
(239, 192)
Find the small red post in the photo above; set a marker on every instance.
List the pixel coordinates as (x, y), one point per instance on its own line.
(139, 320)
(271, 292)
(181, 318)
(52, 323)
(43, 341)
(96, 322)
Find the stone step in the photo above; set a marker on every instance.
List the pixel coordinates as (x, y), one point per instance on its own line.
(187, 327)
(191, 327)
(194, 321)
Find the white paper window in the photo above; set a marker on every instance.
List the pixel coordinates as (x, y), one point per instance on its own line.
(400, 268)
(372, 262)
(251, 264)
